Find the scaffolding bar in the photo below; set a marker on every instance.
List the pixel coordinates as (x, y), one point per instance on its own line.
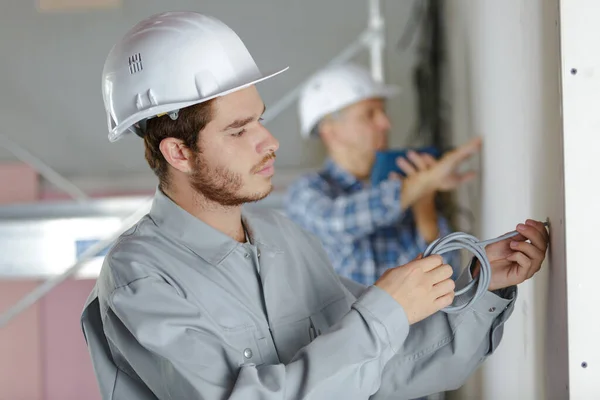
(377, 41)
(43, 169)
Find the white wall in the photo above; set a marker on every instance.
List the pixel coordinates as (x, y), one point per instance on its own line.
(505, 81)
(581, 100)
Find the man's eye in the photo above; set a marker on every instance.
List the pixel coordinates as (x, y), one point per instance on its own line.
(238, 134)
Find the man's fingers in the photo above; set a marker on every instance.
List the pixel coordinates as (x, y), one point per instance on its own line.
(454, 180)
(540, 227)
(517, 238)
(431, 262)
(465, 151)
(506, 242)
(417, 160)
(429, 159)
(394, 176)
(467, 176)
(529, 267)
(535, 236)
(440, 273)
(406, 166)
(444, 287)
(522, 260)
(444, 301)
(398, 161)
(528, 249)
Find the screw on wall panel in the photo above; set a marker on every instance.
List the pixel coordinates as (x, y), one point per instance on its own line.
(584, 364)
(573, 71)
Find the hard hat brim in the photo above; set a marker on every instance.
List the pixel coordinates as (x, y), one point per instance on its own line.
(126, 125)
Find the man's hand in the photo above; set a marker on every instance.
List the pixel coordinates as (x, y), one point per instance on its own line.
(425, 212)
(514, 260)
(422, 287)
(441, 175)
(418, 163)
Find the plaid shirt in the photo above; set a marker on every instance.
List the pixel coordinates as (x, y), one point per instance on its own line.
(362, 228)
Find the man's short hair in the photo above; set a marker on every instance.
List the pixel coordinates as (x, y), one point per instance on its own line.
(190, 121)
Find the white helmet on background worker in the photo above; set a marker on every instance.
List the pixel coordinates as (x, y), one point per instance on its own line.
(335, 88)
(171, 61)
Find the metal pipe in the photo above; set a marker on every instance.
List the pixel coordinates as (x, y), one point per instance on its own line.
(377, 42)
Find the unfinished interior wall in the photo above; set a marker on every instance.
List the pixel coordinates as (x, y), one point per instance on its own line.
(505, 86)
(581, 99)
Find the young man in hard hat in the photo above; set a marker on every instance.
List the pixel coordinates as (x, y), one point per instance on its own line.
(364, 228)
(201, 300)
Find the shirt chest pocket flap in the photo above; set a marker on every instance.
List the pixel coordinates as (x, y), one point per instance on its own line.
(326, 317)
(247, 346)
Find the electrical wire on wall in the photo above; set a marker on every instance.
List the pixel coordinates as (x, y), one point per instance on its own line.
(432, 122)
(427, 73)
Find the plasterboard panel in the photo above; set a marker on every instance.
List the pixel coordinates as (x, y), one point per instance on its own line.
(581, 97)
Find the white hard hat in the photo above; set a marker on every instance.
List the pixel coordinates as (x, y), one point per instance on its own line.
(171, 61)
(335, 88)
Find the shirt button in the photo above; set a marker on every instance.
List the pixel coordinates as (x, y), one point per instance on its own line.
(258, 253)
(492, 309)
(248, 353)
(246, 255)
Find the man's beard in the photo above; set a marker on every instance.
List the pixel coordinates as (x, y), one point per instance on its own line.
(222, 186)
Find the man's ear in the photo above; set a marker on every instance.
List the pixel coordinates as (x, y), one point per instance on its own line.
(177, 154)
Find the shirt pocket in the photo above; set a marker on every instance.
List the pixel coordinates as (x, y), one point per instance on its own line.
(246, 346)
(323, 319)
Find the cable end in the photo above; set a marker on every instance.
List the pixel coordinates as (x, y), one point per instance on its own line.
(547, 223)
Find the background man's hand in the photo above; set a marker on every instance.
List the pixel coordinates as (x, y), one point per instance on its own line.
(432, 176)
(424, 209)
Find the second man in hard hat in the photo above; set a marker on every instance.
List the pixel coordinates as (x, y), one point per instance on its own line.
(365, 229)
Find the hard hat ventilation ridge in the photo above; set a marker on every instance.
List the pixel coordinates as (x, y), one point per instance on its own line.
(135, 63)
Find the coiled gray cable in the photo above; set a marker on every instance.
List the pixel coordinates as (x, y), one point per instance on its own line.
(478, 286)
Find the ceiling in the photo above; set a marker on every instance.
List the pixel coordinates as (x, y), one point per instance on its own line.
(50, 99)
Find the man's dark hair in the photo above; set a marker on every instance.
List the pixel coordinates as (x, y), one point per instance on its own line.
(190, 121)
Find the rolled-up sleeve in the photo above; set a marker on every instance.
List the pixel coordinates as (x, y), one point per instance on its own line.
(187, 349)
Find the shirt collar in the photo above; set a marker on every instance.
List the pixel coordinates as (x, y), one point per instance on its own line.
(205, 241)
(342, 177)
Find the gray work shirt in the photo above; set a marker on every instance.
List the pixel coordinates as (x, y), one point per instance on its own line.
(180, 311)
